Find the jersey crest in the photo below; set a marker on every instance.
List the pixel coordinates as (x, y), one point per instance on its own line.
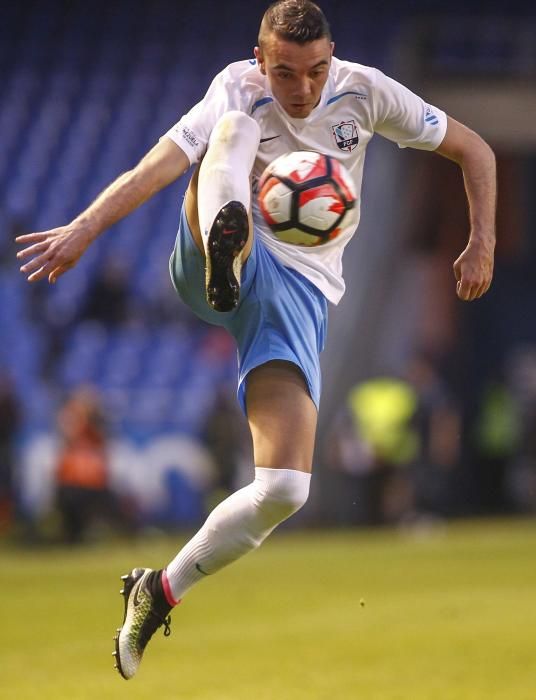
(346, 136)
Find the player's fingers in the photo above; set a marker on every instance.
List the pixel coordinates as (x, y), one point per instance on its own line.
(31, 237)
(474, 293)
(40, 273)
(57, 272)
(33, 249)
(463, 290)
(481, 290)
(50, 269)
(470, 289)
(36, 263)
(478, 290)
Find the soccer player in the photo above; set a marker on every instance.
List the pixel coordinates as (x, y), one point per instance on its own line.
(272, 296)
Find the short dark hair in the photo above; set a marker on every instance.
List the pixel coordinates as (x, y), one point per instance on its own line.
(300, 21)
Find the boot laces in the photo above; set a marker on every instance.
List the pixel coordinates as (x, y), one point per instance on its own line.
(152, 623)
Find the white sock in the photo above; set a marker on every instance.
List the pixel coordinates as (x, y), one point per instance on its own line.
(237, 525)
(226, 167)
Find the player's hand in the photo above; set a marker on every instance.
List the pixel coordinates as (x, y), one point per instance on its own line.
(52, 252)
(474, 271)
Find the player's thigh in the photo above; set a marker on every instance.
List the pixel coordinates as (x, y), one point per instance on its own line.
(282, 416)
(192, 215)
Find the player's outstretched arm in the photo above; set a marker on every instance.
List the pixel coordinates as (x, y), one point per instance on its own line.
(474, 267)
(53, 252)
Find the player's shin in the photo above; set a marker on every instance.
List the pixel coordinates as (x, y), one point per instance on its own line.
(238, 525)
(223, 199)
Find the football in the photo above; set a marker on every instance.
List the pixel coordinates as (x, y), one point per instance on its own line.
(307, 198)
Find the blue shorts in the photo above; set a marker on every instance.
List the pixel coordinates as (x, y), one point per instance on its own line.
(280, 315)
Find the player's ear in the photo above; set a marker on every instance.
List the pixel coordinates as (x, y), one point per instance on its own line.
(260, 60)
(332, 47)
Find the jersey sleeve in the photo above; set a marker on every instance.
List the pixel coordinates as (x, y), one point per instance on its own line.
(402, 116)
(192, 131)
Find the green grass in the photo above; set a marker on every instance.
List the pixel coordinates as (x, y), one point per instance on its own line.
(449, 616)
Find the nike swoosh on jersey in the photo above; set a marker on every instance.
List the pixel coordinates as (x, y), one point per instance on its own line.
(270, 138)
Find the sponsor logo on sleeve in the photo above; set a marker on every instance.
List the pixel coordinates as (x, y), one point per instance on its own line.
(346, 135)
(430, 117)
(189, 136)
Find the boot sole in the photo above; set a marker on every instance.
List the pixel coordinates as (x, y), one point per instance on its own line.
(225, 257)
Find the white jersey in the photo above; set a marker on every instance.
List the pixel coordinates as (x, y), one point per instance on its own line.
(356, 102)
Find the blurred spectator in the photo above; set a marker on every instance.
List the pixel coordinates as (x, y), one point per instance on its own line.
(227, 438)
(498, 436)
(108, 297)
(372, 447)
(352, 462)
(396, 447)
(9, 423)
(521, 478)
(82, 473)
(437, 421)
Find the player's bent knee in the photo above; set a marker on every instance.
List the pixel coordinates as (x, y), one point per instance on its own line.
(283, 494)
(232, 126)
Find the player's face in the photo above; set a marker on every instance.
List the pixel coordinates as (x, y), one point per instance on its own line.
(297, 72)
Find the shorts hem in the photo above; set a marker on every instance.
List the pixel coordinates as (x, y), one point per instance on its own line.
(241, 389)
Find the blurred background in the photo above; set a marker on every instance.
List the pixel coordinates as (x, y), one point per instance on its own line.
(117, 407)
